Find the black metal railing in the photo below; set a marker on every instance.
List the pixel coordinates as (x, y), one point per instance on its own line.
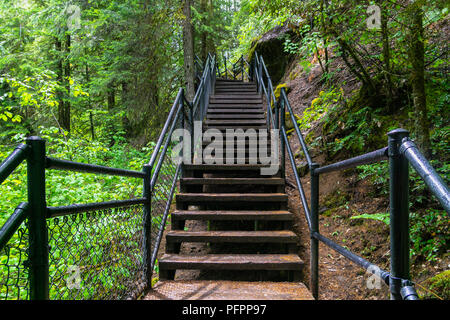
(166, 171)
(400, 152)
(238, 70)
(105, 250)
(87, 251)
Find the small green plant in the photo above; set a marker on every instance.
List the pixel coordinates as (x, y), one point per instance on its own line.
(290, 46)
(429, 232)
(381, 216)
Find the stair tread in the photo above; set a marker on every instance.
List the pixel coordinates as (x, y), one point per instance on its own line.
(236, 91)
(230, 116)
(232, 197)
(229, 126)
(283, 236)
(228, 290)
(240, 181)
(236, 121)
(232, 261)
(236, 101)
(235, 105)
(238, 112)
(232, 214)
(235, 167)
(255, 96)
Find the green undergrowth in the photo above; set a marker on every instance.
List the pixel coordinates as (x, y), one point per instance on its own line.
(65, 187)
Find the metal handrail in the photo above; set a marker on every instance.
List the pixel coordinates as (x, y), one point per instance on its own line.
(13, 223)
(16, 157)
(197, 111)
(431, 178)
(66, 165)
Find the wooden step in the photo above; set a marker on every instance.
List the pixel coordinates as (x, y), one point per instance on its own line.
(211, 168)
(232, 181)
(236, 101)
(235, 127)
(236, 107)
(235, 87)
(235, 122)
(231, 262)
(237, 111)
(231, 96)
(236, 161)
(225, 80)
(227, 290)
(236, 91)
(245, 143)
(231, 197)
(230, 215)
(283, 236)
(229, 116)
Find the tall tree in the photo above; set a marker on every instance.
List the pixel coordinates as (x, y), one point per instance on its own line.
(416, 52)
(188, 49)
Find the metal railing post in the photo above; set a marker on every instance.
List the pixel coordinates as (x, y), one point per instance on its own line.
(282, 124)
(260, 68)
(147, 237)
(399, 212)
(242, 67)
(314, 259)
(38, 250)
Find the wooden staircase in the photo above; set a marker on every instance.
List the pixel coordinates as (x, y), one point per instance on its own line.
(249, 232)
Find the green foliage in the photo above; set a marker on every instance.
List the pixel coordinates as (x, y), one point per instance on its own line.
(64, 188)
(429, 232)
(439, 284)
(381, 216)
(319, 107)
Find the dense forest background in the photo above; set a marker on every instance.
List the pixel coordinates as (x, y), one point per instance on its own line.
(96, 79)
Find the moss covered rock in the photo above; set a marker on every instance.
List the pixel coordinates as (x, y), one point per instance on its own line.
(440, 285)
(271, 47)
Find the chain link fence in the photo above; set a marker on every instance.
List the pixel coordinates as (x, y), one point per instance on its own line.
(96, 254)
(14, 266)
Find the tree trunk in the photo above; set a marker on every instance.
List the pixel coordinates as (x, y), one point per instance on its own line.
(324, 33)
(111, 96)
(387, 59)
(188, 48)
(64, 110)
(91, 118)
(417, 58)
(204, 34)
(60, 80)
(211, 46)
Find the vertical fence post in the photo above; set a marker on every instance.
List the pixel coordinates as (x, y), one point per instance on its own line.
(242, 67)
(282, 124)
(38, 250)
(314, 259)
(399, 212)
(226, 70)
(191, 130)
(260, 74)
(277, 115)
(147, 237)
